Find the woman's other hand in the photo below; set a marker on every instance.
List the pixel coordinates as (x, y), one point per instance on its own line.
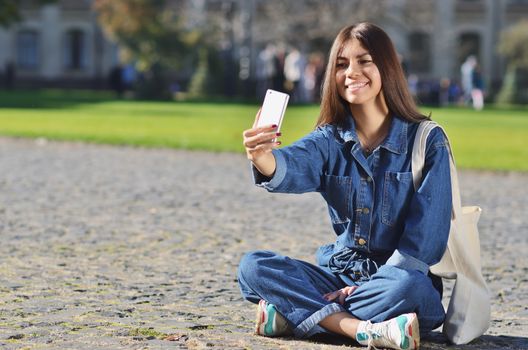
(340, 295)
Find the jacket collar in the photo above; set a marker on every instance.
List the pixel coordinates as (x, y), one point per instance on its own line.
(396, 140)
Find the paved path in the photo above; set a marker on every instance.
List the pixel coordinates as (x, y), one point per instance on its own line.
(117, 248)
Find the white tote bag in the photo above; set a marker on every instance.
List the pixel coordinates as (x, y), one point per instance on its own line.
(468, 313)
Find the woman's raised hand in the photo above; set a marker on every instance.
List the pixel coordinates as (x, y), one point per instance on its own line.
(259, 141)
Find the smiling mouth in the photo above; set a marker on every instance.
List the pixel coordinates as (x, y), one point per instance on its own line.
(356, 86)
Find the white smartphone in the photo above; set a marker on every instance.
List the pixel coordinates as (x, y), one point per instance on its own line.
(273, 108)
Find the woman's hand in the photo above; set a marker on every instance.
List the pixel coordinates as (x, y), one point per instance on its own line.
(340, 295)
(259, 141)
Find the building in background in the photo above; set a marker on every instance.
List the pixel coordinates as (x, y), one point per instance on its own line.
(58, 45)
(433, 37)
(61, 45)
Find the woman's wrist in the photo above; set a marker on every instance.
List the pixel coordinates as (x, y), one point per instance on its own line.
(265, 164)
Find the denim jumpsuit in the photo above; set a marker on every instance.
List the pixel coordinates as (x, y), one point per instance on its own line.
(388, 234)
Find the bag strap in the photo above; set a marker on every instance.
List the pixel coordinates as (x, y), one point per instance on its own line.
(418, 152)
(418, 161)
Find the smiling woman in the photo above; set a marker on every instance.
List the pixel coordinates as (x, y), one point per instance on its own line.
(373, 284)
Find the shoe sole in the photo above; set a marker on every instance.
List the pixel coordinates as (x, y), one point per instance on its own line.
(412, 332)
(261, 318)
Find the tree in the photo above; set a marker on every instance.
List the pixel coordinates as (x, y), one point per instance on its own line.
(513, 46)
(150, 34)
(10, 10)
(304, 21)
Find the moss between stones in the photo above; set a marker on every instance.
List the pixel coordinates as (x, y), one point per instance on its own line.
(147, 332)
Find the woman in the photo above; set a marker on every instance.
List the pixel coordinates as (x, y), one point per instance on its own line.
(372, 284)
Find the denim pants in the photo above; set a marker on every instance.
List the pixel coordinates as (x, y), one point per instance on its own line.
(296, 288)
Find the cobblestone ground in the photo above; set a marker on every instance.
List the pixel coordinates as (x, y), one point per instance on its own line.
(123, 248)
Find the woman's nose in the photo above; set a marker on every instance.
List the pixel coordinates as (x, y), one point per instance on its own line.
(351, 70)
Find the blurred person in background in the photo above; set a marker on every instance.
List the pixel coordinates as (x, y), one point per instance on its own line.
(10, 75)
(477, 89)
(115, 79)
(466, 72)
(294, 64)
(313, 74)
(444, 92)
(278, 61)
(265, 70)
(129, 76)
(412, 82)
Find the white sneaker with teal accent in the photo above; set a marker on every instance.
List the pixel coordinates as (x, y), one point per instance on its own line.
(269, 322)
(401, 332)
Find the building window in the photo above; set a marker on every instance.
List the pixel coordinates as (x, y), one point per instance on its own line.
(75, 50)
(517, 5)
(419, 60)
(470, 6)
(27, 50)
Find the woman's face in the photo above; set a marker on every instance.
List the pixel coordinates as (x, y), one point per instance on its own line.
(357, 76)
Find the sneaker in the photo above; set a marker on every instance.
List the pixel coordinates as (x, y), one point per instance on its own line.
(401, 332)
(269, 322)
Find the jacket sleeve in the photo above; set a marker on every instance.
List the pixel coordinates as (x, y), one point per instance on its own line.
(426, 227)
(299, 166)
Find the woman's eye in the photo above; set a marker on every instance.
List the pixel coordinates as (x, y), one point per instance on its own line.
(364, 61)
(341, 65)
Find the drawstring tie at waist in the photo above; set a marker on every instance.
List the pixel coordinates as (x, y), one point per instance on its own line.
(355, 264)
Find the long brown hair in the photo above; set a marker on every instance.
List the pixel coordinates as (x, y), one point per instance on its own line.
(394, 85)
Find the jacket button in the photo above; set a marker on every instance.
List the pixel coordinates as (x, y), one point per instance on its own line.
(361, 241)
(366, 210)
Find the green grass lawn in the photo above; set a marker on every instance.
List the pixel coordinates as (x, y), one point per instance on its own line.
(495, 139)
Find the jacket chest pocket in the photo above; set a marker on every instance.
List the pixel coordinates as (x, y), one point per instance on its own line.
(397, 192)
(337, 194)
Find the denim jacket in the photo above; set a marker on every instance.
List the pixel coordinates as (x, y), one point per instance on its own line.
(375, 211)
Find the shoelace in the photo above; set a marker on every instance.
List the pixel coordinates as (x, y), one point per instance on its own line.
(370, 334)
(382, 337)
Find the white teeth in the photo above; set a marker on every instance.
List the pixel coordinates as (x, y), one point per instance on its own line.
(356, 85)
